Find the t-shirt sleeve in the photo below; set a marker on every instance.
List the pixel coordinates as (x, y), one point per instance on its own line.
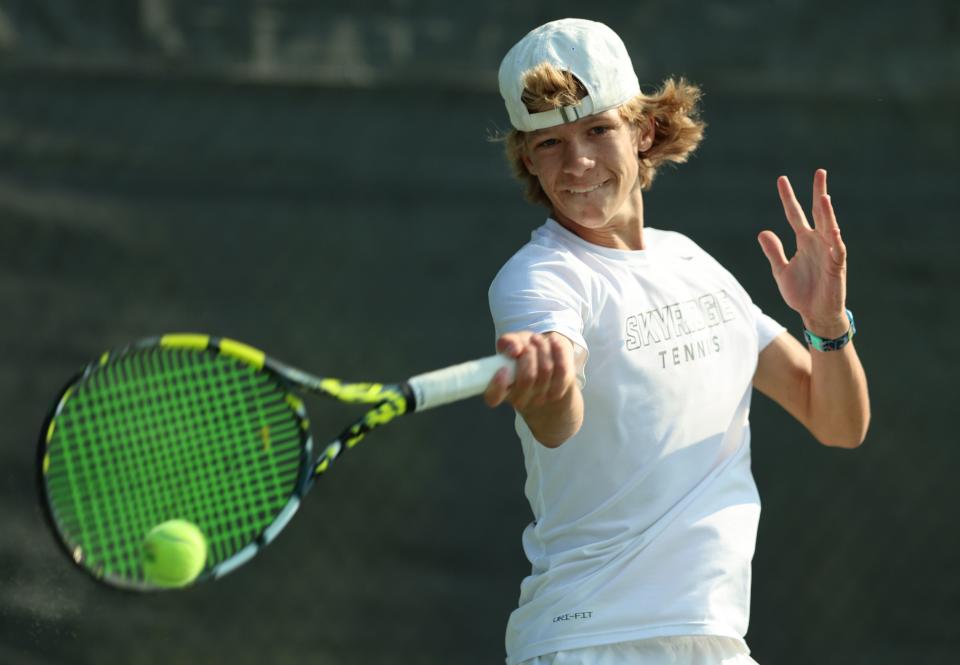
(540, 294)
(767, 328)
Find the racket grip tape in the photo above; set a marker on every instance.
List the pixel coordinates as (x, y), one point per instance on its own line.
(457, 382)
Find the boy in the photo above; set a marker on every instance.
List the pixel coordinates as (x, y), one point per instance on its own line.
(636, 358)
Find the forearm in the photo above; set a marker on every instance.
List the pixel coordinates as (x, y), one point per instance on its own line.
(838, 402)
(553, 423)
(825, 390)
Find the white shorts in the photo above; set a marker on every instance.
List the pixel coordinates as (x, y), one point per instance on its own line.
(680, 650)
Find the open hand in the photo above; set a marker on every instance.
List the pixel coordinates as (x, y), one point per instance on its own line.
(812, 282)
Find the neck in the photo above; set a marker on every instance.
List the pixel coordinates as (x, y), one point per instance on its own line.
(624, 230)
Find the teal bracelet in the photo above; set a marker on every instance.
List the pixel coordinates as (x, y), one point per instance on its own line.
(821, 344)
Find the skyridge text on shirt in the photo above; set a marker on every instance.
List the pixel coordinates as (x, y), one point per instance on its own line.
(681, 320)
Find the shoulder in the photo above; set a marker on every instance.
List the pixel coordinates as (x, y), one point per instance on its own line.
(545, 259)
(696, 260)
(677, 245)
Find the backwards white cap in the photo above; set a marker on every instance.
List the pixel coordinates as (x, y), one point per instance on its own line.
(591, 51)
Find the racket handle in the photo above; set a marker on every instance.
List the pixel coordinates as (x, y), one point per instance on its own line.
(456, 382)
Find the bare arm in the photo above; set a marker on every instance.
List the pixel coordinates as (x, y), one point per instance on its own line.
(825, 391)
(545, 391)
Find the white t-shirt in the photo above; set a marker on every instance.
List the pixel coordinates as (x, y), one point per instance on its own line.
(645, 521)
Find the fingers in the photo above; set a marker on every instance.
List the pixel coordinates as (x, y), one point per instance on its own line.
(830, 232)
(791, 207)
(773, 250)
(533, 373)
(564, 370)
(825, 219)
(819, 184)
(498, 388)
(544, 370)
(838, 251)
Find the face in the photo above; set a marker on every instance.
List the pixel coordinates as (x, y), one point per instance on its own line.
(588, 169)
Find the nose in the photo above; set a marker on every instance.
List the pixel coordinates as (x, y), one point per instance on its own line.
(577, 158)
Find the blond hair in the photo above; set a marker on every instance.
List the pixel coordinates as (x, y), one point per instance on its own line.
(672, 109)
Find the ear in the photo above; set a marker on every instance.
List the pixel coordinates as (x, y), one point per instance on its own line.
(645, 134)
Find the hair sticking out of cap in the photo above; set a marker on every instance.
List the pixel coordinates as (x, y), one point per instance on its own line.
(545, 88)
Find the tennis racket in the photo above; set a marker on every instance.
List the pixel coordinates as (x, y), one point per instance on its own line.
(204, 429)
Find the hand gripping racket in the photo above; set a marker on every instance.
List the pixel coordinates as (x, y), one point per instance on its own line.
(204, 429)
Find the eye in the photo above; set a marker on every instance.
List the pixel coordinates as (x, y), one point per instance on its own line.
(599, 130)
(546, 143)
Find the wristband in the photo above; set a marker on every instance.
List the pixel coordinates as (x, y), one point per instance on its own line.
(836, 344)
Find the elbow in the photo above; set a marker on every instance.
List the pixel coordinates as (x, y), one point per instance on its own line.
(849, 437)
(554, 435)
(551, 441)
(846, 442)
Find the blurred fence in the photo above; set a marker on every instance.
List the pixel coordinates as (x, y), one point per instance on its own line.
(874, 50)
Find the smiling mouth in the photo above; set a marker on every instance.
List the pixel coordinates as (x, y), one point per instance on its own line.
(586, 189)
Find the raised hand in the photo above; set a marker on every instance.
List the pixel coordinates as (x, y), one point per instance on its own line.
(814, 281)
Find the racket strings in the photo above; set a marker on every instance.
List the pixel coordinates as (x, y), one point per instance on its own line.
(170, 433)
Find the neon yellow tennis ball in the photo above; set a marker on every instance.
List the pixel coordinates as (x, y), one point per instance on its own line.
(174, 553)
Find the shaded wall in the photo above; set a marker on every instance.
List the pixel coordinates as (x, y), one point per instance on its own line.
(319, 182)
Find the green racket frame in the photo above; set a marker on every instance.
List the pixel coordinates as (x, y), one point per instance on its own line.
(131, 442)
(97, 469)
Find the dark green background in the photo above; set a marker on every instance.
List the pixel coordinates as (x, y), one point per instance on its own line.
(318, 181)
